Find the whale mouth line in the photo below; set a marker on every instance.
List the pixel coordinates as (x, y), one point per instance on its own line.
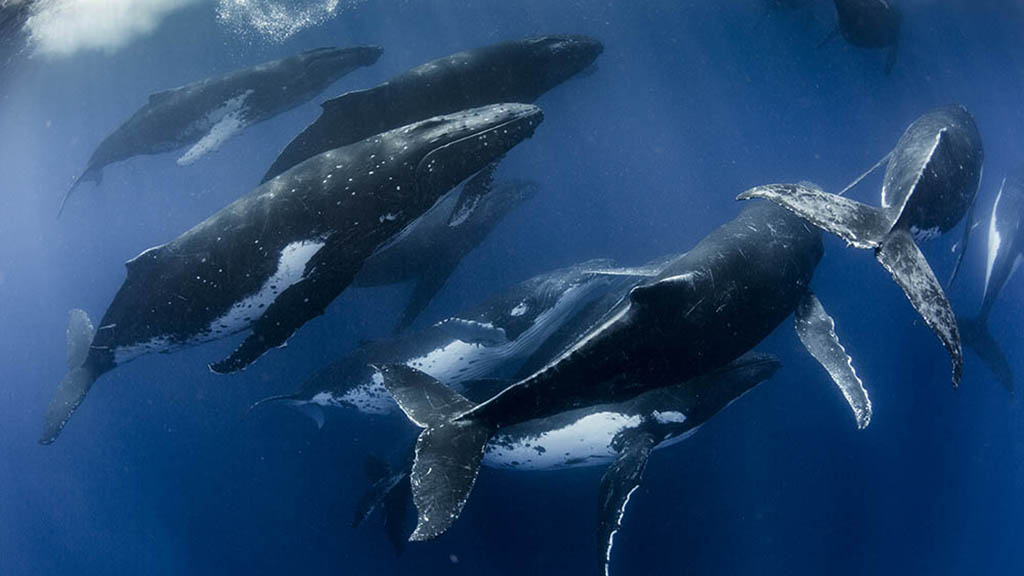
(530, 115)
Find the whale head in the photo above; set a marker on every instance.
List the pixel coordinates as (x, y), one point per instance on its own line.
(446, 150)
(558, 58)
(332, 63)
(935, 171)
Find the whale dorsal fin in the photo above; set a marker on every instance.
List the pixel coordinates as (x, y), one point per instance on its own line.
(159, 97)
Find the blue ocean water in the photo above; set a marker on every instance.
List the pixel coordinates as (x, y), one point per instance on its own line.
(690, 104)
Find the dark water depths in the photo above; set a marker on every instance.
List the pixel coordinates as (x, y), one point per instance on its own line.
(690, 104)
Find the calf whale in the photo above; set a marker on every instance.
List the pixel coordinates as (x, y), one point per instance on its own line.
(873, 24)
(931, 180)
(701, 311)
(1003, 256)
(509, 335)
(430, 249)
(518, 71)
(620, 436)
(275, 258)
(209, 112)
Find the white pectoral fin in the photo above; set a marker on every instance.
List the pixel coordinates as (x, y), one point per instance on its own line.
(225, 129)
(817, 332)
(635, 272)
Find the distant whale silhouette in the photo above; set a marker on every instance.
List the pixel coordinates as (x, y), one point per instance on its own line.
(932, 179)
(430, 249)
(1004, 254)
(209, 112)
(275, 258)
(518, 71)
(873, 24)
(699, 312)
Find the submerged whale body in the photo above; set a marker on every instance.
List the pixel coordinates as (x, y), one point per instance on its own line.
(509, 335)
(1004, 254)
(430, 249)
(701, 311)
(873, 24)
(518, 71)
(211, 111)
(275, 258)
(620, 436)
(930, 182)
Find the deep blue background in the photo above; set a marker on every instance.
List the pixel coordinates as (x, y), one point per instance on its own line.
(692, 103)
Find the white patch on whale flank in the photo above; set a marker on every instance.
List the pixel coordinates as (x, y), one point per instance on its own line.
(584, 442)
(291, 268)
(994, 238)
(220, 125)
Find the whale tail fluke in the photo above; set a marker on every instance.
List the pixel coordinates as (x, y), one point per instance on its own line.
(977, 337)
(77, 382)
(92, 174)
(448, 452)
(870, 227)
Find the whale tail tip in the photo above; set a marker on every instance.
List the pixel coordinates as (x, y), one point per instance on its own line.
(977, 337)
(92, 174)
(77, 382)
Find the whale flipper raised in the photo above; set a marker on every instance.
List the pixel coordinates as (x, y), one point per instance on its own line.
(902, 258)
(617, 485)
(817, 332)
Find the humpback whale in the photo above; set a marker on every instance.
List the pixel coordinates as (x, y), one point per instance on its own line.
(518, 71)
(207, 113)
(873, 24)
(620, 436)
(1004, 255)
(931, 180)
(507, 336)
(275, 258)
(430, 249)
(701, 311)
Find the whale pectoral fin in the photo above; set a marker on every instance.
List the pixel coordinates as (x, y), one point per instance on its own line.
(618, 483)
(448, 452)
(861, 225)
(428, 285)
(817, 331)
(473, 191)
(225, 129)
(901, 257)
(296, 305)
(69, 395)
(390, 491)
(965, 238)
(636, 272)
